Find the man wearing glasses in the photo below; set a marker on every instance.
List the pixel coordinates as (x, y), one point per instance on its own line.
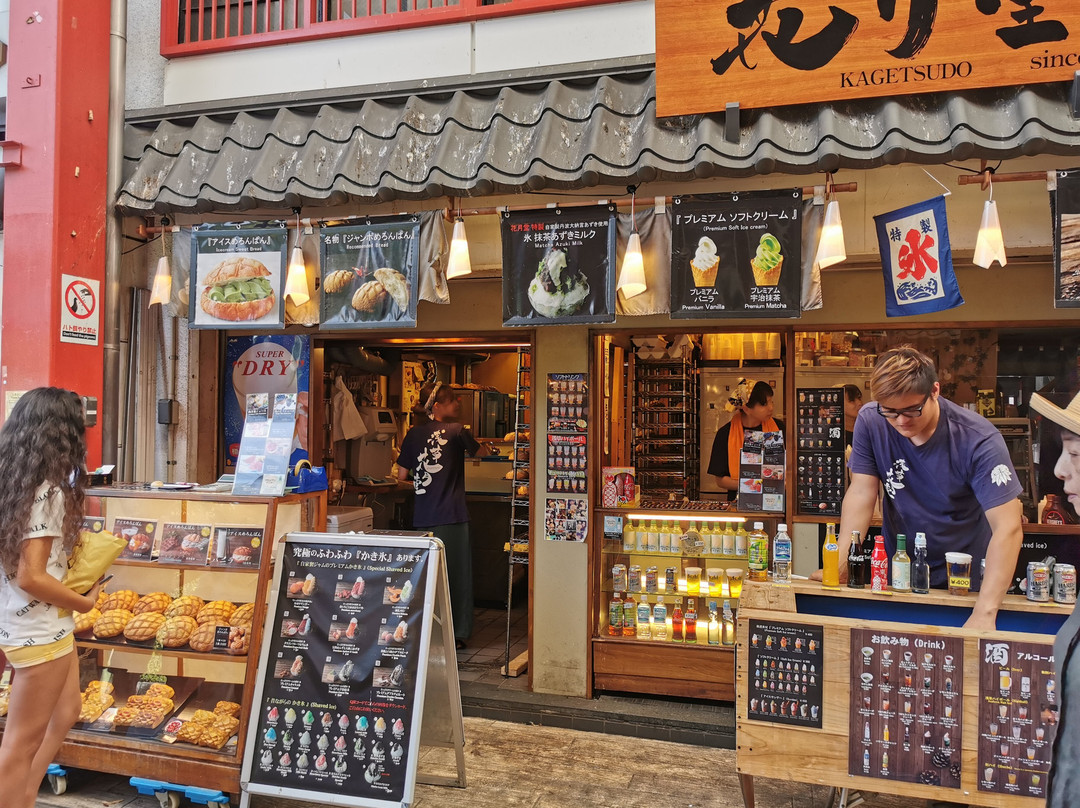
(946, 473)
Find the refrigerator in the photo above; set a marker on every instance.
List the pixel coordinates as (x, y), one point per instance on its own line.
(716, 386)
(486, 412)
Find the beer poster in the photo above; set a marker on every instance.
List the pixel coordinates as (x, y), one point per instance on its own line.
(737, 255)
(237, 276)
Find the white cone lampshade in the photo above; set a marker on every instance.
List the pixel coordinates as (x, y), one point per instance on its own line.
(162, 289)
(831, 249)
(296, 282)
(989, 246)
(459, 263)
(632, 275)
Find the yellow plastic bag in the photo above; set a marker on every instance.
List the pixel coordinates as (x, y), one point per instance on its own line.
(92, 555)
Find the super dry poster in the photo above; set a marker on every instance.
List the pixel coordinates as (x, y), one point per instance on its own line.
(737, 255)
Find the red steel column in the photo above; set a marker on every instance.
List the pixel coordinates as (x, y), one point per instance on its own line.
(55, 202)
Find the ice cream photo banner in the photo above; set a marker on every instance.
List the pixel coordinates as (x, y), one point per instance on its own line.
(237, 275)
(369, 274)
(737, 255)
(558, 266)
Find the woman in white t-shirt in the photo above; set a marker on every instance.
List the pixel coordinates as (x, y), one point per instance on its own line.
(42, 456)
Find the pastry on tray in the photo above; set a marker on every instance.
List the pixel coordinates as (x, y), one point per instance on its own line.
(227, 708)
(112, 623)
(154, 602)
(84, 621)
(160, 690)
(176, 631)
(203, 638)
(185, 606)
(97, 686)
(138, 717)
(143, 626)
(93, 705)
(243, 616)
(157, 704)
(216, 611)
(120, 599)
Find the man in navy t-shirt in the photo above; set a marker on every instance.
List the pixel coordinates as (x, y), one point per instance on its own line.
(945, 471)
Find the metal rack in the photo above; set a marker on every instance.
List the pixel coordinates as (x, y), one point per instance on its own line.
(518, 547)
(665, 445)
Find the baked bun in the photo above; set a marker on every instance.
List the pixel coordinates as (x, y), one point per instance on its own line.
(160, 690)
(112, 623)
(237, 289)
(396, 284)
(154, 602)
(203, 638)
(176, 631)
(84, 621)
(244, 615)
(185, 606)
(216, 611)
(121, 599)
(143, 626)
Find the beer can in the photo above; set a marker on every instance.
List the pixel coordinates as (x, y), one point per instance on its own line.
(650, 580)
(1064, 583)
(618, 578)
(1038, 582)
(634, 581)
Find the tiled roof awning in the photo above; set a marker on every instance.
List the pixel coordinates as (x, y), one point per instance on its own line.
(554, 135)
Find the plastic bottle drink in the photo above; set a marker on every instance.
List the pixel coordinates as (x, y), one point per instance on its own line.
(782, 555)
(830, 558)
(653, 538)
(675, 539)
(727, 632)
(690, 621)
(629, 537)
(856, 574)
(901, 566)
(727, 541)
(879, 566)
(615, 612)
(920, 568)
(642, 537)
(716, 540)
(758, 550)
(677, 623)
(629, 617)
(659, 619)
(664, 539)
(714, 624)
(644, 620)
(741, 541)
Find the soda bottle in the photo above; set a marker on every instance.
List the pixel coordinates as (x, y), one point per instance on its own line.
(677, 622)
(758, 549)
(659, 619)
(690, 621)
(920, 567)
(629, 617)
(856, 574)
(782, 555)
(644, 619)
(901, 566)
(879, 566)
(830, 557)
(615, 612)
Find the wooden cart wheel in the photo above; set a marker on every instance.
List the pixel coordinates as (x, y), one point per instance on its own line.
(58, 783)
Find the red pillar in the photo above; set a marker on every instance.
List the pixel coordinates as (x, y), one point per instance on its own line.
(55, 202)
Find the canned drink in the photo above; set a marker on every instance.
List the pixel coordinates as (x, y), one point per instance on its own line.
(634, 580)
(669, 579)
(1064, 583)
(618, 578)
(1038, 582)
(650, 580)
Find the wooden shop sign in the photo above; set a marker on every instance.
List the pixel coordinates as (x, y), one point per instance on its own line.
(763, 53)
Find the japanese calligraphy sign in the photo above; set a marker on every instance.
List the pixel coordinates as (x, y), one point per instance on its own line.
(764, 53)
(559, 266)
(237, 276)
(737, 255)
(369, 274)
(1065, 207)
(916, 259)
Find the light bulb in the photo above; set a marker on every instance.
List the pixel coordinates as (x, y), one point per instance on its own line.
(989, 246)
(632, 276)
(831, 249)
(296, 284)
(459, 263)
(162, 289)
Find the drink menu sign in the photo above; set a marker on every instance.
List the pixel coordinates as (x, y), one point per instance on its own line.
(761, 472)
(907, 697)
(737, 255)
(786, 665)
(339, 695)
(568, 413)
(820, 428)
(1018, 716)
(263, 461)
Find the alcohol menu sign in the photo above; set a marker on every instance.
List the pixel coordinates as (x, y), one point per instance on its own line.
(340, 689)
(1018, 717)
(764, 53)
(737, 255)
(786, 666)
(907, 697)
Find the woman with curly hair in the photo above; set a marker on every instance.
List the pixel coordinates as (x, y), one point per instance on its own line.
(42, 455)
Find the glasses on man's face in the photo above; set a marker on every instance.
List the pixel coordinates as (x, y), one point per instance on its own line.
(907, 412)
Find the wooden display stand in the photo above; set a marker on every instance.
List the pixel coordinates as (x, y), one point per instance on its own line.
(821, 755)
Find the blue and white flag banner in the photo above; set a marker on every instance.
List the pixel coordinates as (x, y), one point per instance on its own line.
(916, 259)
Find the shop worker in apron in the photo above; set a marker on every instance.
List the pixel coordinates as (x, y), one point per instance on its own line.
(751, 405)
(1063, 789)
(433, 452)
(946, 473)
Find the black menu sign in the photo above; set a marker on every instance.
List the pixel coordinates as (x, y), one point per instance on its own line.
(907, 697)
(819, 419)
(737, 255)
(786, 670)
(761, 472)
(1018, 716)
(340, 689)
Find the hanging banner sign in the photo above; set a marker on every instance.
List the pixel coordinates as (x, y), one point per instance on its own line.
(916, 259)
(737, 255)
(760, 53)
(1065, 213)
(558, 266)
(237, 277)
(369, 274)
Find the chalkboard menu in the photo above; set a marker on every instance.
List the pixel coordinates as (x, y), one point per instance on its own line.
(819, 427)
(340, 690)
(1018, 716)
(786, 663)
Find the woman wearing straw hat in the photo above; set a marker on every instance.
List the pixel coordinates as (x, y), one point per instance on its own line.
(1063, 789)
(752, 406)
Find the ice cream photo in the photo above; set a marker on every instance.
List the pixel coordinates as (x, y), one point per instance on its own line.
(705, 263)
(556, 291)
(768, 261)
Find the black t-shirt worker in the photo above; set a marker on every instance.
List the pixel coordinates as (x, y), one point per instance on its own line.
(751, 405)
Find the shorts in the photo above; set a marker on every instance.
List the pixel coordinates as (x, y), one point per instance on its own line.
(27, 656)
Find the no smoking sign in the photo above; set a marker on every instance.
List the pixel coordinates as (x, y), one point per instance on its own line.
(80, 318)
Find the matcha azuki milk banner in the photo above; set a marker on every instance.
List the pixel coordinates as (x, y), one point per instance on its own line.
(737, 255)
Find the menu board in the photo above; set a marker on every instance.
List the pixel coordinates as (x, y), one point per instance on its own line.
(761, 472)
(819, 423)
(786, 664)
(236, 547)
(907, 697)
(140, 538)
(263, 461)
(568, 402)
(182, 543)
(339, 695)
(1018, 716)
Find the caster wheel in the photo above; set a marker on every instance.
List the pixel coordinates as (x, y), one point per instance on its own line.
(168, 799)
(217, 805)
(58, 783)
